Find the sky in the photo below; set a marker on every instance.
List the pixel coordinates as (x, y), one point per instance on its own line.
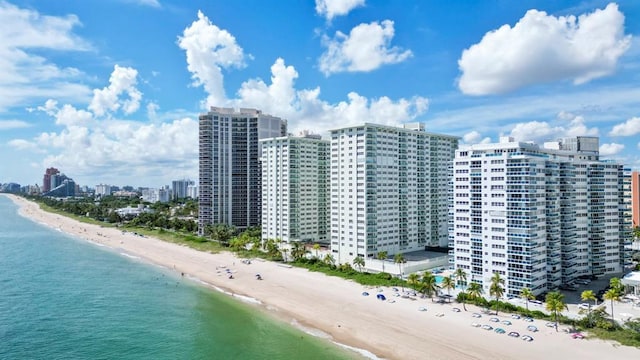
(109, 92)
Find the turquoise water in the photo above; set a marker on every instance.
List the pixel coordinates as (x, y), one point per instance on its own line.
(439, 279)
(64, 298)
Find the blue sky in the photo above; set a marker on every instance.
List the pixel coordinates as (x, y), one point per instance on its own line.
(109, 91)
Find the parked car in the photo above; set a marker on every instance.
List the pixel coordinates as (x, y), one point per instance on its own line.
(476, 315)
(584, 306)
(528, 319)
(500, 330)
(550, 324)
(532, 328)
(527, 338)
(455, 309)
(514, 334)
(515, 316)
(494, 319)
(487, 327)
(506, 322)
(577, 336)
(475, 325)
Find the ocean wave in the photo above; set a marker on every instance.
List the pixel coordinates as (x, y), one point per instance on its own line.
(323, 335)
(130, 256)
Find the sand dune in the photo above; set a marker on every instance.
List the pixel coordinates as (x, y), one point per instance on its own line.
(390, 330)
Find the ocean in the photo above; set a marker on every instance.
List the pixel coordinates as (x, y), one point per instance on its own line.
(65, 298)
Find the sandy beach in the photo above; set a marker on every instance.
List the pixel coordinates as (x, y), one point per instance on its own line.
(337, 308)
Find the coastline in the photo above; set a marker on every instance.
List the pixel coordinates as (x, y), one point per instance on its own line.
(334, 308)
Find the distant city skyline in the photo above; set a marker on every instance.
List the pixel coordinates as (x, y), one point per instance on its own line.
(120, 104)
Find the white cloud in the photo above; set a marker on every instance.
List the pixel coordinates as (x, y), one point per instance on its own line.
(541, 131)
(332, 8)
(209, 49)
(611, 149)
(305, 110)
(13, 124)
(544, 48)
(21, 144)
(25, 74)
(475, 137)
(123, 80)
(366, 48)
(628, 128)
(151, 3)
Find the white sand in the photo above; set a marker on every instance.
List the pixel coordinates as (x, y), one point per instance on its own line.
(336, 307)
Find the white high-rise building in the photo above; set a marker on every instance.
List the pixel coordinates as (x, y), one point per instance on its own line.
(179, 188)
(538, 216)
(295, 182)
(389, 190)
(229, 167)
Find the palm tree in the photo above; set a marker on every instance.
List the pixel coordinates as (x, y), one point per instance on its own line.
(616, 284)
(399, 259)
(298, 251)
(382, 256)
(329, 260)
(555, 304)
(413, 279)
(613, 295)
(588, 295)
(359, 262)
(496, 288)
(316, 247)
(448, 283)
(428, 284)
(475, 290)
(526, 294)
(461, 279)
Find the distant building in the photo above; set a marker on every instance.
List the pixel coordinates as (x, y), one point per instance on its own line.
(295, 185)
(66, 188)
(10, 188)
(192, 191)
(103, 190)
(538, 216)
(229, 166)
(46, 180)
(155, 195)
(130, 212)
(179, 188)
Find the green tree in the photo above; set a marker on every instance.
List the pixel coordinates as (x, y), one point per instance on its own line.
(526, 294)
(329, 260)
(428, 284)
(413, 280)
(475, 290)
(461, 280)
(496, 289)
(359, 262)
(399, 259)
(616, 284)
(316, 247)
(382, 256)
(555, 304)
(448, 283)
(588, 295)
(612, 295)
(298, 251)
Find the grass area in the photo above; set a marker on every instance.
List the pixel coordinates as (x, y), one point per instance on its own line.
(190, 240)
(623, 336)
(83, 219)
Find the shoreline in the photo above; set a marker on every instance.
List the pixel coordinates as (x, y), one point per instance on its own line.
(334, 309)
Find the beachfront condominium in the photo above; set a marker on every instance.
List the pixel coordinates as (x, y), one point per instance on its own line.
(538, 216)
(229, 167)
(389, 190)
(635, 198)
(46, 179)
(295, 182)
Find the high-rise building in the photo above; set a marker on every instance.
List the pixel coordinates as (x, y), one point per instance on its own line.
(46, 180)
(179, 188)
(635, 198)
(230, 174)
(389, 190)
(103, 190)
(295, 182)
(538, 216)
